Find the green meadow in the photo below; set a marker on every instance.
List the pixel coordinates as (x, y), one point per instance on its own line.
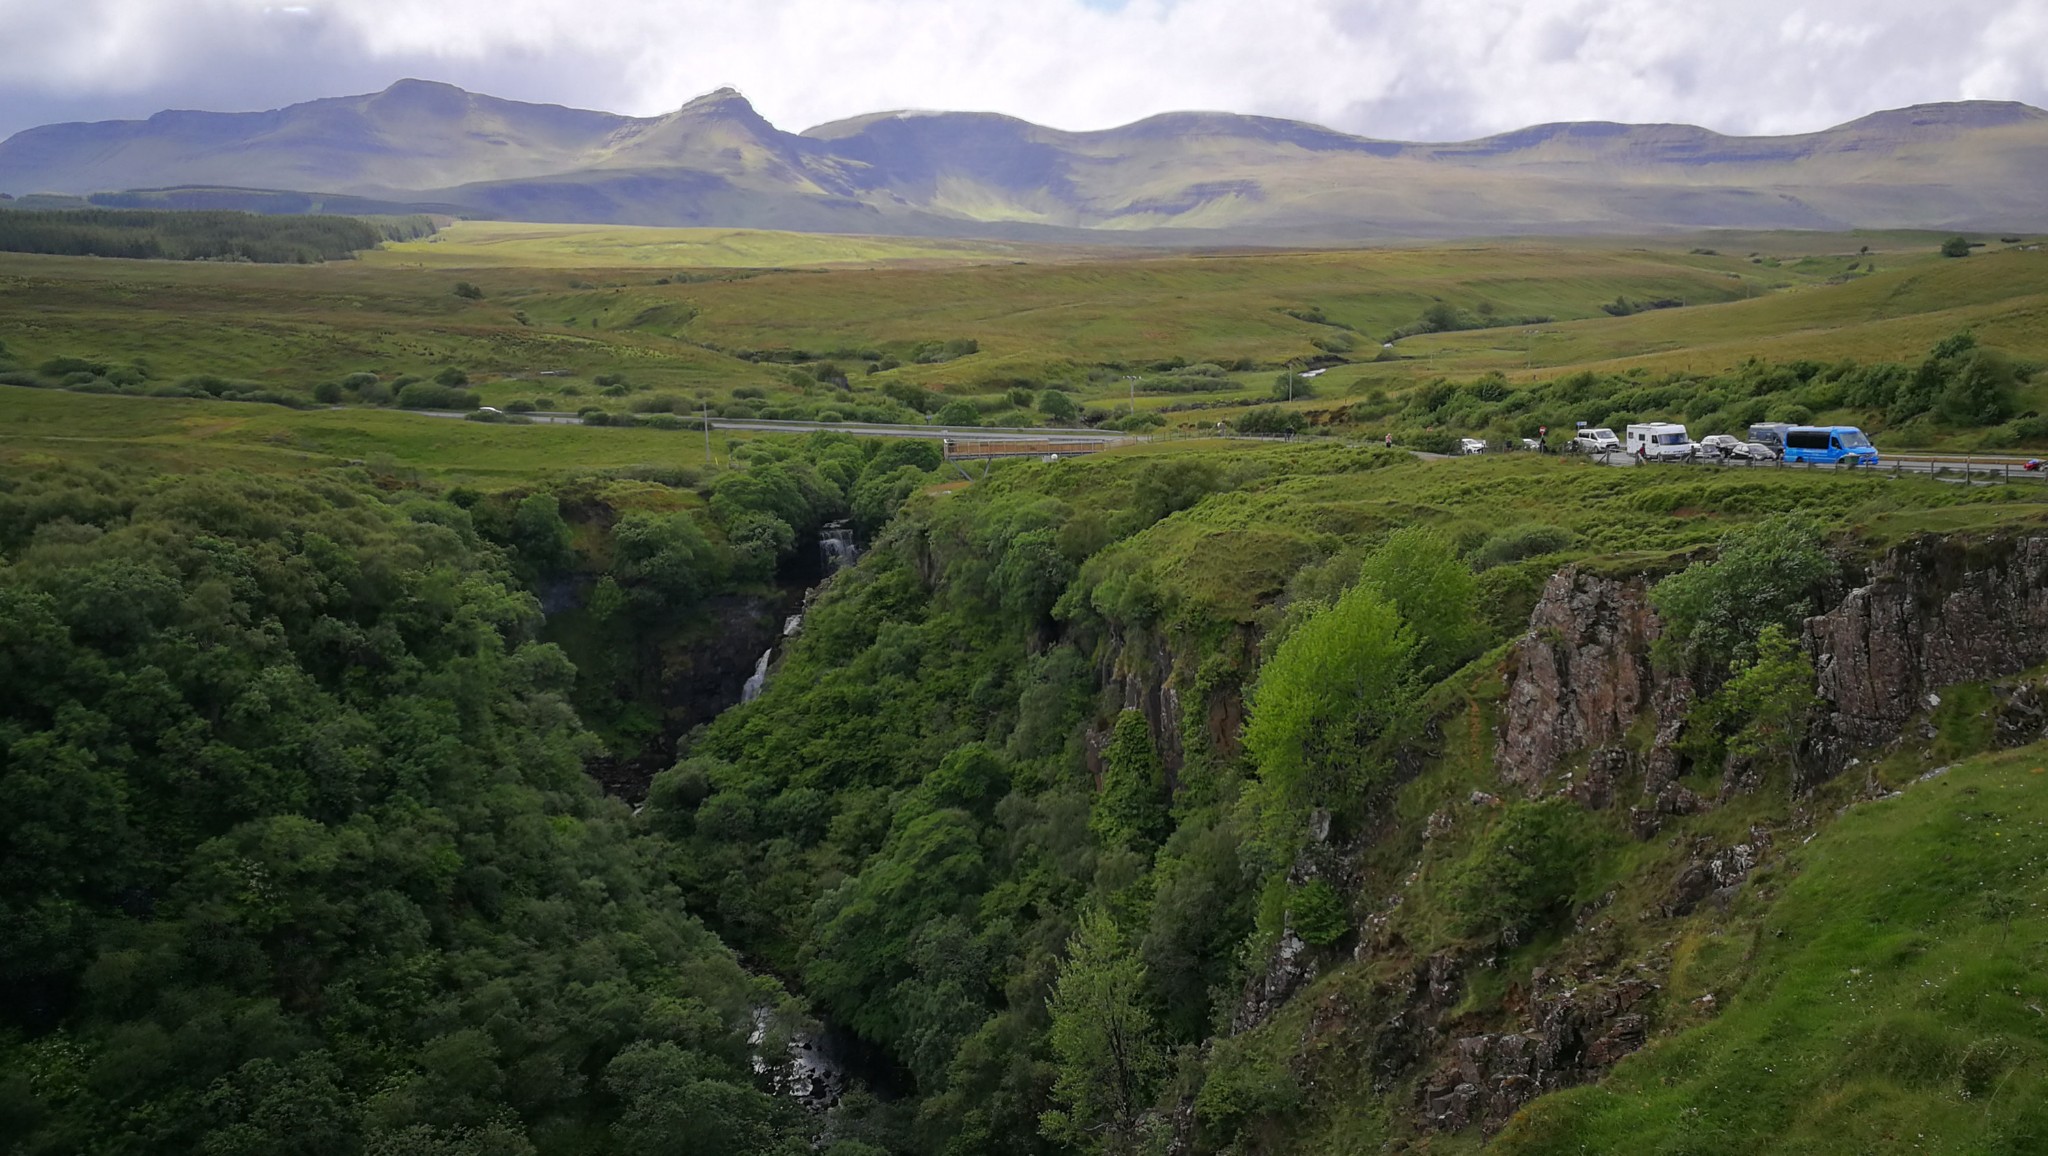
(762, 324)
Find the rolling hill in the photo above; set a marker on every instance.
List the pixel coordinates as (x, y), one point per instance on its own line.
(1177, 177)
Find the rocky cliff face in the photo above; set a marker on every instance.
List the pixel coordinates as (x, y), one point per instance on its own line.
(1588, 716)
(1935, 613)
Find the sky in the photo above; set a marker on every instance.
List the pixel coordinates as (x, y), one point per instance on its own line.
(1403, 69)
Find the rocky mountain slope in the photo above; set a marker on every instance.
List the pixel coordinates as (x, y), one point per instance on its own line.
(716, 161)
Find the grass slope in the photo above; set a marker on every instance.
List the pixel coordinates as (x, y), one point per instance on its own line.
(1892, 1002)
(179, 435)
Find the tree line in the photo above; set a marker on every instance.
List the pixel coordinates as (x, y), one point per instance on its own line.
(200, 236)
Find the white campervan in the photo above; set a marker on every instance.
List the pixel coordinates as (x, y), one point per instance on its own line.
(1660, 440)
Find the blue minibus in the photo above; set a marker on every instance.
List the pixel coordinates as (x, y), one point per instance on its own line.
(1829, 444)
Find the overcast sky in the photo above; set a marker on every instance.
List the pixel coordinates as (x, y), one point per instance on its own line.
(1409, 69)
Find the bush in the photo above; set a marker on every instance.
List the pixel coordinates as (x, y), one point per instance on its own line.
(65, 366)
(1956, 247)
(468, 292)
(1057, 406)
(1316, 912)
(1271, 420)
(428, 395)
(1519, 542)
(327, 393)
(452, 377)
(1521, 871)
(1765, 573)
(958, 413)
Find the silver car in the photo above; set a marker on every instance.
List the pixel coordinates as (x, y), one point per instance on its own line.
(1728, 447)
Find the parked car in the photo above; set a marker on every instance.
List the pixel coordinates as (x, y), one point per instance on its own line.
(1471, 446)
(1728, 447)
(1831, 444)
(1770, 433)
(1595, 441)
(1535, 444)
(1660, 441)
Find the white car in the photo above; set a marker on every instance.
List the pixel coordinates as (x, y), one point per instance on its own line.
(1595, 441)
(1471, 446)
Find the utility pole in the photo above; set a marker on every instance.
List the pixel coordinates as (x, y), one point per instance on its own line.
(706, 403)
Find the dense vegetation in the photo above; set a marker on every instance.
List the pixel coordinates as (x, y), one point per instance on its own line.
(299, 853)
(199, 236)
(298, 846)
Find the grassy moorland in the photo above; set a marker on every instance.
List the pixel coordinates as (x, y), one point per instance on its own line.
(182, 435)
(1719, 330)
(521, 244)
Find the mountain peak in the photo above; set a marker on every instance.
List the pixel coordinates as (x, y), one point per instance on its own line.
(1958, 114)
(723, 101)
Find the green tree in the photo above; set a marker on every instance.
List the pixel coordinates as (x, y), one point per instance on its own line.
(1058, 407)
(1956, 247)
(1103, 1040)
(1521, 870)
(1980, 391)
(1771, 698)
(1419, 571)
(1714, 610)
(1131, 808)
(1332, 686)
(540, 536)
(957, 413)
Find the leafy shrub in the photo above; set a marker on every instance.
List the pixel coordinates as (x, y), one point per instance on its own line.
(1271, 420)
(429, 395)
(1521, 871)
(957, 413)
(468, 291)
(1768, 572)
(1519, 542)
(1316, 913)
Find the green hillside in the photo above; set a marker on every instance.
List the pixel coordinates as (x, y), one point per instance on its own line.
(1886, 1000)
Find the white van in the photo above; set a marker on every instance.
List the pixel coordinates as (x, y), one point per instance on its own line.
(1660, 441)
(1595, 441)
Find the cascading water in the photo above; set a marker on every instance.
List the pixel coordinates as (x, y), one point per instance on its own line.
(755, 681)
(836, 547)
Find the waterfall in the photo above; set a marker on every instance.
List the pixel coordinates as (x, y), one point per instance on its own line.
(752, 689)
(836, 547)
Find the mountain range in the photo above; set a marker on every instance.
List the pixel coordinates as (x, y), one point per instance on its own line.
(1192, 175)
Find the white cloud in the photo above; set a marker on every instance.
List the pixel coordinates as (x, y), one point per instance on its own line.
(1403, 68)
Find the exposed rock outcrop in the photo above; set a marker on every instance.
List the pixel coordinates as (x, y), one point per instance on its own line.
(1579, 678)
(1580, 1030)
(1936, 612)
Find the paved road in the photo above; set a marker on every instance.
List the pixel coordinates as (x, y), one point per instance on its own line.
(867, 429)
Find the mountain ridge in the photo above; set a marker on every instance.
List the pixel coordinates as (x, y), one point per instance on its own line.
(717, 161)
